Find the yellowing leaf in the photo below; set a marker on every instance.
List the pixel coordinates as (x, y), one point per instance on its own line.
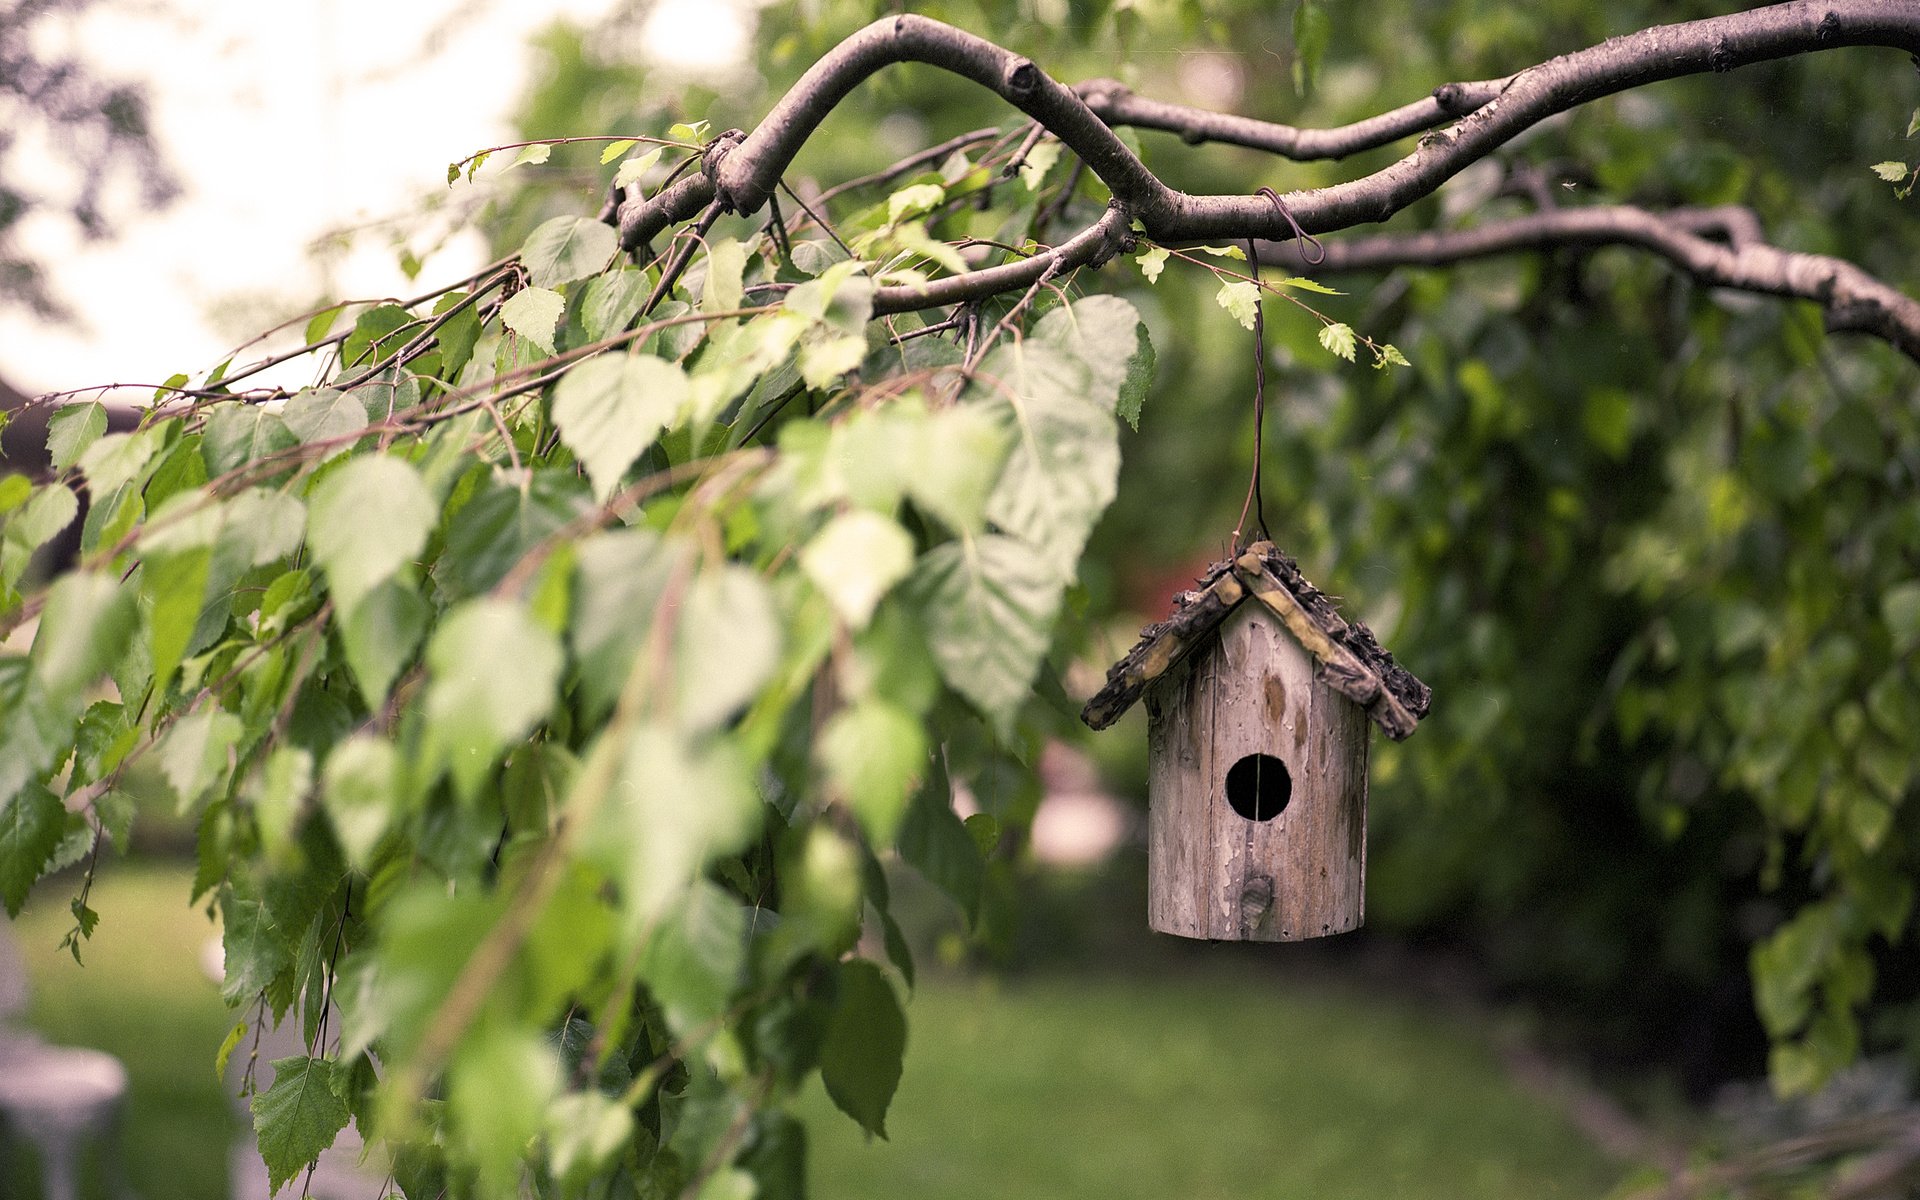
(1300, 283)
(1338, 337)
(534, 314)
(726, 265)
(1892, 172)
(634, 168)
(822, 362)
(1040, 160)
(615, 150)
(532, 155)
(855, 560)
(912, 201)
(1152, 262)
(1240, 297)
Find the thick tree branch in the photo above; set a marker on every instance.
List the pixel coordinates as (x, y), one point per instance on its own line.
(1853, 301)
(744, 172)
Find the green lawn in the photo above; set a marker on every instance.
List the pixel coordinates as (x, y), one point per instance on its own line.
(1192, 1080)
(1211, 1083)
(142, 995)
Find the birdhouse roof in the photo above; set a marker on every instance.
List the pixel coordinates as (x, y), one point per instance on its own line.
(1348, 657)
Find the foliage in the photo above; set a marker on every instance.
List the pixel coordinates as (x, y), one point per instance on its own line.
(490, 670)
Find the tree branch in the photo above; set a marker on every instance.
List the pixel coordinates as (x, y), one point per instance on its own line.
(743, 173)
(1853, 300)
(1116, 104)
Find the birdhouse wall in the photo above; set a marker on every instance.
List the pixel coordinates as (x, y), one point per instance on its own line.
(1213, 873)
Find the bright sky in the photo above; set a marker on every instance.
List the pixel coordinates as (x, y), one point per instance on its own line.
(264, 112)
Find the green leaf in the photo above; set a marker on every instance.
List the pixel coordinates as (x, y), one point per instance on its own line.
(495, 530)
(297, 1118)
(324, 415)
(874, 755)
(676, 803)
(586, 1133)
(1312, 30)
(1106, 334)
(50, 509)
(937, 844)
(612, 300)
(567, 248)
(1900, 609)
(278, 791)
(497, 1093)
(615, 150)
(633, 170)
(360, 792)
(380, 633)
(1152, 261)
(955, 463)
(1390, 356)
(238, 434)
(492, 672)
(726, 267)
(619, 574)
(856, 560)
(86, 624)
(609, 409)
(31, 825)
(1241, 298)
(365, 521)
(1338, 338)
(195, 753)
(1913, 124)
(696, 957)
(1891, 171)
(456, 335)
(254, 948)
(989, 606)
(1064, 468)
(531, 155)
(726, 644)
(866, 1042)
(1300, 283)
(1233, 252)
(534, 314)
(684, 131)
(71, 429)
(120, 458)
(321, 322)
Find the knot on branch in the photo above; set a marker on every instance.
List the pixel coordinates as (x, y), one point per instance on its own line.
(1453, 99)
(1116, 235)
(1720, 58)
(1021, 77)
(711, 157)
(1829, 25)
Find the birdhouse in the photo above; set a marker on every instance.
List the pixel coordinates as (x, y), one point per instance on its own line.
(1259, 701)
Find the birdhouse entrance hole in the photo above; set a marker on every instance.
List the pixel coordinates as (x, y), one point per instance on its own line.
(1258, 787)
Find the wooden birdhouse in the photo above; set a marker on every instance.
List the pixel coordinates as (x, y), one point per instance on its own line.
(1258, 699)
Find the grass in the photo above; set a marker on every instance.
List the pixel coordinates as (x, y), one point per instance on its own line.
(143, 997)
(1209, 1077)
(1215, 1083)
